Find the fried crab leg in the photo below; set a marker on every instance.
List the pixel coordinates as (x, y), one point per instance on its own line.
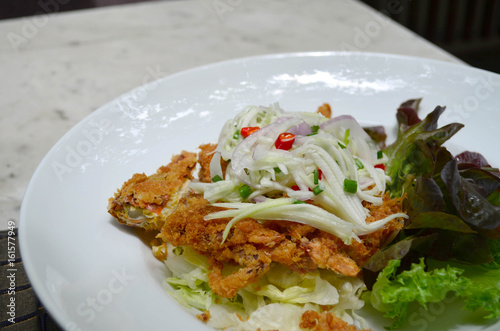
(145, 201)
(252, 246)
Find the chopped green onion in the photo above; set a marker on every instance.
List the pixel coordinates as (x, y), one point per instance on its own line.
(236, 134)
(380, 154)
(316, 177)
(298, 202)
(342, 146)
(216, 178)
(359, 164)
(178, 250)
(277, 170)
(346, 136)
(245, 191)
(311, 134)
(350, 186)
(314, 130)
(317, 190)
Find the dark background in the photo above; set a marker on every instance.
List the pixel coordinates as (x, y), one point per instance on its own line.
(468, 29)
(20, 8)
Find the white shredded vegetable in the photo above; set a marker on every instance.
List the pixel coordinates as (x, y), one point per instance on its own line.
(305, 183)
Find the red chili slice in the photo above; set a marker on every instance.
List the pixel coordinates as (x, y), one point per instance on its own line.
(285, 141)
(297, 188)
(248, 130)
(380, 166)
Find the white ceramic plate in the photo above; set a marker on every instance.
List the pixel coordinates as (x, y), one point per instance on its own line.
(91, 273)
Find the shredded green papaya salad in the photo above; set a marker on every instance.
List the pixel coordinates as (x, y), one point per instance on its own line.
(277, 168)
(328, 173)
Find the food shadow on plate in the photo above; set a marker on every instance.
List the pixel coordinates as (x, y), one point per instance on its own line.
(145, 236)
(447, 315)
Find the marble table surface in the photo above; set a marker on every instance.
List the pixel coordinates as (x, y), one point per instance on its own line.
(58, 68)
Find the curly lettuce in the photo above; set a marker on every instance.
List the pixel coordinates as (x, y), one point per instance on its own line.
(450, 242)
(393, 292)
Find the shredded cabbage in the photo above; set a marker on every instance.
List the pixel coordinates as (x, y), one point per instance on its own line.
(276, 301)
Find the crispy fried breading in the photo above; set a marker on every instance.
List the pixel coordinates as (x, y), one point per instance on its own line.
(372, 242)
(254, 245)
(325, 110)
(144, 201)
(329, 252)
(255, 265)
(186, 226)
(325, 321)
(204, 158)
(204, 317)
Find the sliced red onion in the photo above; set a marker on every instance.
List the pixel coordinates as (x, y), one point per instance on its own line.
(337, 119)
(344, 122)
(259, 198)
(302, 129)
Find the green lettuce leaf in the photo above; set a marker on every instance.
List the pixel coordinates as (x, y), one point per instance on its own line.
(414, 151)
(450, 201)
(494, 198)
(495, 252)
(312, 289)
(482, 289)
(393, 292)
(200, 296)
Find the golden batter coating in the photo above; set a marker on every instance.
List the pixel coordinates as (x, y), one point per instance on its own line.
(144, 201)
(204, 158)
(325, 321)
(325, 110)
(163, 203)
(254, 245)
